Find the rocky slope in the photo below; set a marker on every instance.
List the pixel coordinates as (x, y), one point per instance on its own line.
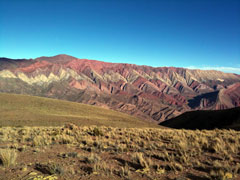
(151, 93)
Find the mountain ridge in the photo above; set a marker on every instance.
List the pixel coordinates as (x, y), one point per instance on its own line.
(61, 56)
(154, 93)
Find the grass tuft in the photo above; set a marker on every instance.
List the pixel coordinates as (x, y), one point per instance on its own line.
(8, 157)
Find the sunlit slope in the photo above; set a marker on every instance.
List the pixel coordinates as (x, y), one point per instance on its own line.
(24, 110)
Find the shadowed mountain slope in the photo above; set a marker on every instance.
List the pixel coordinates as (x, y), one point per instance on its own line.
(221, 119)
(24, 110)
(156, 94)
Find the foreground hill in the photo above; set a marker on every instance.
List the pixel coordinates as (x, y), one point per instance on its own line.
(222, 119)
(147, 92)
(23, 110)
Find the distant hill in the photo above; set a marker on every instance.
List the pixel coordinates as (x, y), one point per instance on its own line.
(24, 110)
(153, 93)
(221, 119)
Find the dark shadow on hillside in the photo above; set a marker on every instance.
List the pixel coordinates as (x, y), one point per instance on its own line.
(196, 101)
(222, 119)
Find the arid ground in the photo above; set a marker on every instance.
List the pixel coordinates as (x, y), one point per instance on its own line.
(91, 152)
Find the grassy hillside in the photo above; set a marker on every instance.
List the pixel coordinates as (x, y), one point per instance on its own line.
(23, 110)
(221, 119)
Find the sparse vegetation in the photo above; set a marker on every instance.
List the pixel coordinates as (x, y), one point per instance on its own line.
(118, 153)
(7, 157)
(50, 168)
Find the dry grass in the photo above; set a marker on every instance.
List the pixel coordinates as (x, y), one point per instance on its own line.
(23, 110)
(120, 153)
(8, 157)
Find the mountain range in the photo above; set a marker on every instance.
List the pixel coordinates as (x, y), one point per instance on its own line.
(153, 93)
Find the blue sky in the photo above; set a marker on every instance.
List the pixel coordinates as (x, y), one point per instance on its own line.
(182, 33)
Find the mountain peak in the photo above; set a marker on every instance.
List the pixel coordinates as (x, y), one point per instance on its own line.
(64, 56)
(61, 58)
